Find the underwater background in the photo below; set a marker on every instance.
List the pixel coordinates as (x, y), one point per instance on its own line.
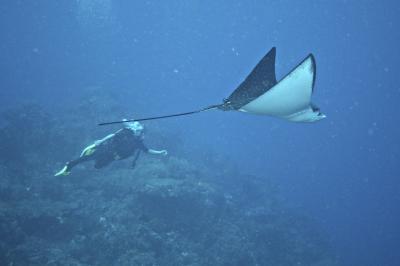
(235, 189)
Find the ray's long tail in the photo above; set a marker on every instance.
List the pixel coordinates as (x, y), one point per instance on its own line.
(211, 107)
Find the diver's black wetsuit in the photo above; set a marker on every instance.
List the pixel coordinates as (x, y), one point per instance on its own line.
(122, 145)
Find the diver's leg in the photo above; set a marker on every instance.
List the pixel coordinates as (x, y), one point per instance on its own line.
(87, 154)
(69, 165)
(82, 159)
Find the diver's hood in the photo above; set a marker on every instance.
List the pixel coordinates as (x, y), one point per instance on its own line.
(135, 126)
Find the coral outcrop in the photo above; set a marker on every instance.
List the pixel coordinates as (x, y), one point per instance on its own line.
(163, 212)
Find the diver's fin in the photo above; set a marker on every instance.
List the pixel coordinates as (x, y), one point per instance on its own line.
(63, 171)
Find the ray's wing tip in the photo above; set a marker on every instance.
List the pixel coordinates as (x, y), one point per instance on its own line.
(272, 51)
(312, 57)
(314, 64)
(313, 68)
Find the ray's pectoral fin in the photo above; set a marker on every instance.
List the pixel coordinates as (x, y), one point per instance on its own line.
(260, 80)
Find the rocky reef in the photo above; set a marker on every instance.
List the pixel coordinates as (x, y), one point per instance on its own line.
(169, 211)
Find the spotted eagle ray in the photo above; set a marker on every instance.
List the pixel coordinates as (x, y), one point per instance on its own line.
(260, 93)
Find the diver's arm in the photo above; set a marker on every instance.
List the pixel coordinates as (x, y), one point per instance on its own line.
(91, 148)
(135, 159)
(144, 148)
(99, 141)
(156, 152)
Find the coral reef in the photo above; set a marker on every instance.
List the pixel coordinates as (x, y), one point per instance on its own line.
(164, 212)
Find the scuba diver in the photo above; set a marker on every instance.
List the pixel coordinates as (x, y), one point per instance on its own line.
(126, 142)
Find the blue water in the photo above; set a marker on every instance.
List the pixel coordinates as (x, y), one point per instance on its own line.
(174, 56)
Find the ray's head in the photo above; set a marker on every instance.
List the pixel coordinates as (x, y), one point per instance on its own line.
(310, 114)
(314, 116)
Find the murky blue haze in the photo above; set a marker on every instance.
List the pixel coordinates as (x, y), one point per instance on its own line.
(162, 57)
